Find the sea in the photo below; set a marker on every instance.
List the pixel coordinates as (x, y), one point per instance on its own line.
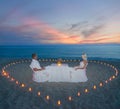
(93, 51)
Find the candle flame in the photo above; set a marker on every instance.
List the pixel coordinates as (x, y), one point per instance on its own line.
(70, 98)
(94, 86)
(59, 102)
(47, 97)
(38, 93)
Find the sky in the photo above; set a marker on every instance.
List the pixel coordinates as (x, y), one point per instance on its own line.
(33, 22)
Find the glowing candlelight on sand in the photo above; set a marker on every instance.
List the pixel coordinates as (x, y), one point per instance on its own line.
(47, 97)
(59, 62)
(38, 93)
(4, 74)
(116, 73)
(86, 90)
(59, 102)
(94, 87)
(78, 93)
(110, 78)
(106, 81)
(3, 71)
(12, 79)
(69, 98)
(23, 85)
(16, 82)
(113, 77)
(101, 84)
(30, 89)
(8, 76)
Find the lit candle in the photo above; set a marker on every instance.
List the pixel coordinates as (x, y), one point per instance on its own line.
(113, 76)
(86, 90)
(12, 79)
(3, 70)
(8, 76)
(101, 84)
(38, 93)
(106, 81)
(30, 89)
(23, 85)
(59, 64)
(59, 102)
(94, 86)
(116, 73)
(78, 93)
(5, 74)
(69, 98)
(110, 78)
(47, 97)
(16, 82)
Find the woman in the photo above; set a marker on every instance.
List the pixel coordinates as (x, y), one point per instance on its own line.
(79, 73)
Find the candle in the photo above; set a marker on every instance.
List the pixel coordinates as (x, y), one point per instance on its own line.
(106, 81)
(23, 85)
(59, 102)
(69, 98)
(113, 76)
(30, 89)
(86, 90)
(38, 93)
(101, 84)
(47, 97)
(16, 82)
(110, 78)
(94, 86)
(8, 76)
(12, 79)
(78, 93)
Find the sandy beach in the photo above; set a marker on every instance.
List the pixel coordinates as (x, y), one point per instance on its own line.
(12, 96)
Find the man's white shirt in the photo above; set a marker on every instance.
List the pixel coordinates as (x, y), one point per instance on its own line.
(35, 64)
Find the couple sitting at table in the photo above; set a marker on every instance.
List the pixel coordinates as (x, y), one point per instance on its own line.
(59, 73)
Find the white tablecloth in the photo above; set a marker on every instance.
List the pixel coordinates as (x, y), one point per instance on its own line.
(63, 73)
(59, 73)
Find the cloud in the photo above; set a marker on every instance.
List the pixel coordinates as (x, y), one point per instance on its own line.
(76, 26)
(91, 31)
(32, 31)
(47, 32)
(111, 39)
(35, 31)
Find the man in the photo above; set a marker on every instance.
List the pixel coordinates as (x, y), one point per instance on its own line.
(39, 74)
(35, 65)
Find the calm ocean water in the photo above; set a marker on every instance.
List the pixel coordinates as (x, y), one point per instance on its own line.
(108, 51)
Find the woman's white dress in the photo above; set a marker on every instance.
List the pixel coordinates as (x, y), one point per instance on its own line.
(79, 75)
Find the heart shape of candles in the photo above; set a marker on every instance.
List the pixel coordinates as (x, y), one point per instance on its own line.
(48, 97)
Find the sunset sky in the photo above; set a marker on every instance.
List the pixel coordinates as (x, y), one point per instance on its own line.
(30, 22)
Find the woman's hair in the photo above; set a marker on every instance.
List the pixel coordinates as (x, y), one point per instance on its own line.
(84, 56)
